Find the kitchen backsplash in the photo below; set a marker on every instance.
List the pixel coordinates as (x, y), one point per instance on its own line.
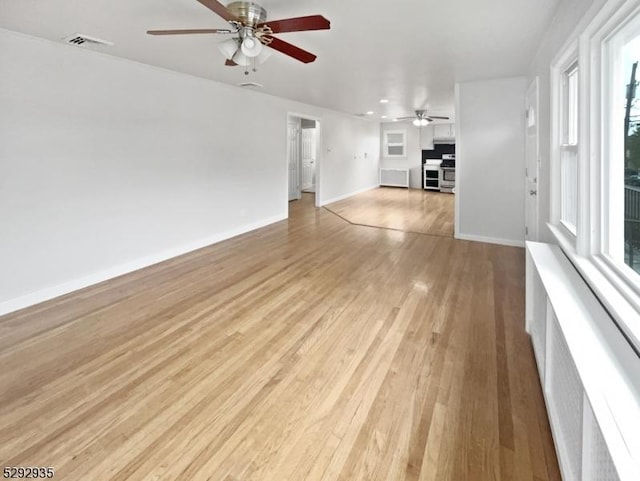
(438, 150)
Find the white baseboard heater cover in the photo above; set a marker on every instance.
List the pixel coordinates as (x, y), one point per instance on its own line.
(394, 177)
(589, 373)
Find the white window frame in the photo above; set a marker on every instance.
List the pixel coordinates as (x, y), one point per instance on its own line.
(388, 144)
(568, 139)
(614, 127)
(564, 62)
(617, 286)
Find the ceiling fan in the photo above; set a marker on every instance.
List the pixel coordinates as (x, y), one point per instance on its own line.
(251, 32)
(421, 118)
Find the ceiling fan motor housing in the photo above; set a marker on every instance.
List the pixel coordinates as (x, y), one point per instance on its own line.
(249, 13)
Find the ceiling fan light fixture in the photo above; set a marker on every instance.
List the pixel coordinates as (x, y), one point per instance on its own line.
(416, 122)
(251, 46)
(241, 59)
(228, 48)
(424, 122)
(247, 20)
(264, 55)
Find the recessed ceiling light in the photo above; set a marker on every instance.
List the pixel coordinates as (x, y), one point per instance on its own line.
(384, 101)
(383, 117)
(370, 112)
(394, 120)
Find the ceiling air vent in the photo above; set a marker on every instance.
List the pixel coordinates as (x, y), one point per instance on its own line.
(250, 84)
(85, 40)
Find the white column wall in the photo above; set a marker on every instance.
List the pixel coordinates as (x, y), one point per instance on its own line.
(490, 160)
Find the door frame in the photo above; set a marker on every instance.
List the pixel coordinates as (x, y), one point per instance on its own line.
(318, 120)
(533, 87)
(311, 134)
(294, 124)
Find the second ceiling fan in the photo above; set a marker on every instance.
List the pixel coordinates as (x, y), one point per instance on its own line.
(251, 32)
(421, 119)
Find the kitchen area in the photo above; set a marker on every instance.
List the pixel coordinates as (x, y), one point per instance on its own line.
(439, 169)
(427, 160)
(437, 143)
(417, 176)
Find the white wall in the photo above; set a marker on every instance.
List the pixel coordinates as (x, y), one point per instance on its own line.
(413, 160)
(350, 156)
(107, 165)
(567, 17)
(490, 160)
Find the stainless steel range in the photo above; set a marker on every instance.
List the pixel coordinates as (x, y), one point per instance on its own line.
(448, 173)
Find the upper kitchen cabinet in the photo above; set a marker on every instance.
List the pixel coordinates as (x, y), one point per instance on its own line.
(426, 137)
(442, 132)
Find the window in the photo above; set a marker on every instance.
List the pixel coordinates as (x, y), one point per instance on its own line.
(569, 149)
(622, 157)
(395, 143)
(595, 169)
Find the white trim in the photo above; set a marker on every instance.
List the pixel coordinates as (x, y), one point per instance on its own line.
(617, 290)
(459, 164)
(614, 294)
(386, 144)
(489, 240)
(567, 59)
(534, 86)
(319, 151)
(350, 194)
(125, 268)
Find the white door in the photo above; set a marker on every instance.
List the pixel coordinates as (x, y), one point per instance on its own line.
(308, 159)
(293, 153)
(532, 163)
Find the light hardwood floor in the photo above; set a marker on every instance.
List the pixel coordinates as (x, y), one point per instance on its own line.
(408, 210)
(310, 350)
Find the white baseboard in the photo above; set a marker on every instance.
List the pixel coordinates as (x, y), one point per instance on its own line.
(48, 293)
(490, 240)
(346, 196)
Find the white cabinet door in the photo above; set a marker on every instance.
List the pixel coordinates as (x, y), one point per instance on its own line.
(440, 131)
(444, 131)
(452, 131)
(426, 138)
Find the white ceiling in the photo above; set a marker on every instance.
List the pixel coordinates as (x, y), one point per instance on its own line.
(409, 51)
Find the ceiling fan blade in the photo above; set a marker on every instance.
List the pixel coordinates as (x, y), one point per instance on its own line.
(406, 118)
(187, 31)
(230, 63)
(298, 24)
(436, 117)
(218, 8)
(290, 50)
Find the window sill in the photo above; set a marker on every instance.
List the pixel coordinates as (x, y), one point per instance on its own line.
(621, 302)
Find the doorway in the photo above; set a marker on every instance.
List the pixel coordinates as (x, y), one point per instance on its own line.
(309, 155)
(303, 152)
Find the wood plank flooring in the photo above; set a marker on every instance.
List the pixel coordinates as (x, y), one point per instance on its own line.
(407, 210)
(311, 350)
